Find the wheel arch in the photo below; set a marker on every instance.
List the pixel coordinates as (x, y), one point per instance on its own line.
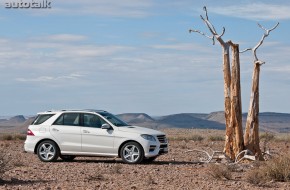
(46, 139)
(120, 147)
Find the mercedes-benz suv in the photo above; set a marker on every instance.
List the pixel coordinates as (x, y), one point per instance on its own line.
(70, 133)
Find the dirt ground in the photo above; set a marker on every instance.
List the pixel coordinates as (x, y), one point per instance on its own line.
(177, 170)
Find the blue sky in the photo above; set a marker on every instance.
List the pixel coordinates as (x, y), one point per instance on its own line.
(137, 56)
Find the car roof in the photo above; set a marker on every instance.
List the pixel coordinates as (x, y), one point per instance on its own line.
(71, 110)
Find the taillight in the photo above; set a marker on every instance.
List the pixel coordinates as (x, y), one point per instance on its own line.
(29, 132)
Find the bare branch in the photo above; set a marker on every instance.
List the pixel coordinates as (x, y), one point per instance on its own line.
(198, 31)
(260, 62)
(211, 29)
(261, 27)
(204, 8)
(223, 32)
(248, 49)
(274, 27)
(267, 32)
(209, 25)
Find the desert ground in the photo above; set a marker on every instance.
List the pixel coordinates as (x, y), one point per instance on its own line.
(177, 170)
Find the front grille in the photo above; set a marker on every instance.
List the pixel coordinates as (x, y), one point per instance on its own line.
(163, 146)
(162, 138)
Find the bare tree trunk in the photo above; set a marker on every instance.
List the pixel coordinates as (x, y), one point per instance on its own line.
(236, 103)
(232, 102)
(228, 147)
(251, 137)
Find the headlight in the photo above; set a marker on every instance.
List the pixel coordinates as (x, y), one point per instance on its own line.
(148, 137)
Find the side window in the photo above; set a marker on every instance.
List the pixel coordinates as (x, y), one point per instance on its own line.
(91, 120)
(41, 119)
(68, 119)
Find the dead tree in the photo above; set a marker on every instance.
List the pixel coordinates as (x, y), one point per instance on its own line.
(232, 93)
(251, 138)
(236, 102)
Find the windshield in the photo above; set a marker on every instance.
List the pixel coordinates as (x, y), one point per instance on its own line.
(113, 119)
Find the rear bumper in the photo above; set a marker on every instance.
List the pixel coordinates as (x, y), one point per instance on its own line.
(29, 147)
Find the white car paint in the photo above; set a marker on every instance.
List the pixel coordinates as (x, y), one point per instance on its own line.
(81, 140)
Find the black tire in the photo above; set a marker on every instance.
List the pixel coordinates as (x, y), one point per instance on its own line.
(132, 153)
(148, 160)
(47, 151)
(67, 158)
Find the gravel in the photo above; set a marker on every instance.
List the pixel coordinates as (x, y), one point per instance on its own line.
(176, 170)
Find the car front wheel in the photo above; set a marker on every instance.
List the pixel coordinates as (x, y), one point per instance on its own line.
(132, 153)
(47, 151)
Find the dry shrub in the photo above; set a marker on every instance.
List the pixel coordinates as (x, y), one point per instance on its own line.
(278, 169)
(183, 145)
(150, 180)
(219, 171)
(117, 168)
(282, 138)
(216, 138)
(6, 159)
(7, 137)
(196, 138)
(256, 176)
(21, 137)
(265, 138)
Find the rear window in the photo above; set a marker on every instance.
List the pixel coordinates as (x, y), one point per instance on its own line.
(68, 119)
(41, 119)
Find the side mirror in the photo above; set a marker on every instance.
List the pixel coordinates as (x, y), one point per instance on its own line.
(106, 126)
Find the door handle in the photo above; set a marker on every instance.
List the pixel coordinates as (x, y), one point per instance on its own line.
(86, 131)
(54, 129)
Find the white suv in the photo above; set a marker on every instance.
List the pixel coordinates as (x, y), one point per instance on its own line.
(70, 133)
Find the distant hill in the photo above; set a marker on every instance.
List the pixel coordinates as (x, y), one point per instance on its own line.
(218, 116)
(188, 120)
(135, 117)
(269, 121)
(15, 124)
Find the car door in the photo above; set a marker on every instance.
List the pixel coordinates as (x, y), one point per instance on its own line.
(67, 131)
(96, 140)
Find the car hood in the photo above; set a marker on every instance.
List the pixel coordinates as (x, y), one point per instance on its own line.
(140, 130)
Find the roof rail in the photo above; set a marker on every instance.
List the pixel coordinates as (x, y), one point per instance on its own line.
(89, 110)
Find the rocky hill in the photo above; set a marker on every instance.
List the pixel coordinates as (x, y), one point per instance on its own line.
(269, 121)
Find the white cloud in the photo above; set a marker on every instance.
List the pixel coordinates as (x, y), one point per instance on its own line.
(111, 8)
(255, 11)
(66, 37)
(182, 47)
(71, 76)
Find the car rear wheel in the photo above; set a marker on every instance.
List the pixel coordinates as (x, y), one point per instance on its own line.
(132, 153)
(47, 151)
(67, 157)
